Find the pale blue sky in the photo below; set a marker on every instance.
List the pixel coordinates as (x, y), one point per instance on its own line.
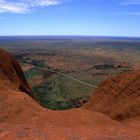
(70, 17)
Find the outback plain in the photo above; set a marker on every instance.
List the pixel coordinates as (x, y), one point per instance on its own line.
(91, 60)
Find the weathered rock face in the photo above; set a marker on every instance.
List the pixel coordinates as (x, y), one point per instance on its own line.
(118, 97)
(22, 118)
(11, 70)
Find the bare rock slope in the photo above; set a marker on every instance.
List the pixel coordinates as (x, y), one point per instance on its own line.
(10, 70)
(118, 97)
(22, 118)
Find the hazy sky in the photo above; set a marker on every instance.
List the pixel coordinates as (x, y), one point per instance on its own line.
(70, 17)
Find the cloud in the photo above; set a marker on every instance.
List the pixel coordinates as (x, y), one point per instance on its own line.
(13, 7)
(132, 2)
(44, 2)
(23, 6)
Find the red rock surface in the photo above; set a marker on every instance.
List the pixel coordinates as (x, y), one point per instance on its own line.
(11, 70)
(22, 118)
(118, 97)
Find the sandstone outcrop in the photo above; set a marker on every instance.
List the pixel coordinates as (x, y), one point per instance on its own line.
(118, 97)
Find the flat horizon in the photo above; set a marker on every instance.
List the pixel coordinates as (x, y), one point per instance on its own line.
(99, 36)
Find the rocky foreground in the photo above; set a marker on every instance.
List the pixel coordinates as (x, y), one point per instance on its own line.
(22, 118)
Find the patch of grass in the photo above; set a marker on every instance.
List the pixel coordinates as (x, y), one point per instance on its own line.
(39, 63)
(62, 93)
(59, 92)
(35, 72)
(88, 77)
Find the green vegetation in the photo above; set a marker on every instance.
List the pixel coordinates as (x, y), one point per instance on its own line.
(22, 58)
(59, 92)
(62, 93)
(34, 72)
(39, 63)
